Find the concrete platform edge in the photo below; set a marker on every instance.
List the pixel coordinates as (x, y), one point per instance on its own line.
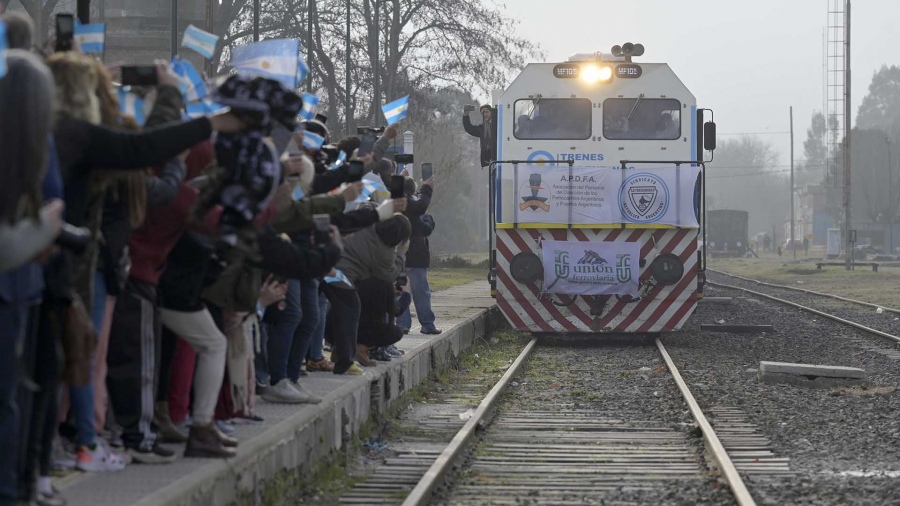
(311, 434)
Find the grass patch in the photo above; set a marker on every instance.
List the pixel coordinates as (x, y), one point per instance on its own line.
(882, 287)
(442, 278)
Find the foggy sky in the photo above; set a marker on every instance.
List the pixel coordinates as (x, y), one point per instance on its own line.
(747, 60)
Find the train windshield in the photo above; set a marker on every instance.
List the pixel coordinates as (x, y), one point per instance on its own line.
(553, 118)
(641, 118)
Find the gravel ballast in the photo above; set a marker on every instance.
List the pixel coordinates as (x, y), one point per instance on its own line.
(825, 432)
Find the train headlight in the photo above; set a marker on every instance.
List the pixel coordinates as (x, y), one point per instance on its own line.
(593, 74)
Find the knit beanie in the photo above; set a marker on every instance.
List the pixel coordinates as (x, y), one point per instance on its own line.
(394, 230)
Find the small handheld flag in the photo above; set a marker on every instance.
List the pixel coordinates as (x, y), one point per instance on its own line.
(91, 38)
(131, 104)
(302, 70)
(2, 49)
(193, 88)
(339, 277)
(312, 141)
(310, 102)
(342, 157)
(205, 107)
(276, 59)
(200, 41)
(372, 185)
(396, 110)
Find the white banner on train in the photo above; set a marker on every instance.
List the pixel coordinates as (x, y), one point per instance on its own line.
(590, 196)
(558, 195)
(591, 268)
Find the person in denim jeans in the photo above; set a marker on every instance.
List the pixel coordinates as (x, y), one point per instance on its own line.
(418, 260)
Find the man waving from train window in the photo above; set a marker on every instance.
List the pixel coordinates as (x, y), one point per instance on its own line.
(486, 132)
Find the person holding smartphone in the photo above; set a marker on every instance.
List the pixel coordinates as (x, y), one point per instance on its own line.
(418, 260)
(486, 132)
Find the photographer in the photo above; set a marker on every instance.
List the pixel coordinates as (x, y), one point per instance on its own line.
(486, 132)
(418, 260)
(376, 252)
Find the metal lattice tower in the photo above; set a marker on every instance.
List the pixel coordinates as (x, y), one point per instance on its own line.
(834, 93)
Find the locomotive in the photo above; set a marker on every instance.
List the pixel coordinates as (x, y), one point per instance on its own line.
(597, 196)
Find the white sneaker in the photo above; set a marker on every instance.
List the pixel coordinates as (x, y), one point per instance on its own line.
(309, 397)
(100, 459)
(283, 393)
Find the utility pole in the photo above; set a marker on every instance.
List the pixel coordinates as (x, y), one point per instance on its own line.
(255, 20)
(348, 112)
(174, 42)
(377, 69)
(891, 213)
(793, 237)
(309, 43)
(848, 262)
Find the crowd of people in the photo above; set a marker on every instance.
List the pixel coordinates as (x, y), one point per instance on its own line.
(156, 279)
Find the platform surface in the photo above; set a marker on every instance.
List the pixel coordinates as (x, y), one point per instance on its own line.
(293, 436)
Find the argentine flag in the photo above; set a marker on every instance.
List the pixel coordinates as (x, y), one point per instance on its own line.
(275, 58)
(372, 185)
(91, 38)
(312, 141)
(200, 41)
(131, 105)
(310, 102)
(396, 110)
(2, 49)
(193, 88)
(302, 70)
(342, 157)
(339, 277)
(205, 107)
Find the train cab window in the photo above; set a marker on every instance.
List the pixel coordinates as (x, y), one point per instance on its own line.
(641, 118)
(552, 118)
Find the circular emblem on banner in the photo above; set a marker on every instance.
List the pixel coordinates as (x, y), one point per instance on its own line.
(644, 198)
(541, 158)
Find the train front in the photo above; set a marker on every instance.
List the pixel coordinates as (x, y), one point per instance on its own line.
(582, 242)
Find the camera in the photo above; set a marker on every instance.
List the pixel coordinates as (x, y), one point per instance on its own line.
(367, 129)
(74, 239)
(322, 229)
(402, 280)
(403, 158)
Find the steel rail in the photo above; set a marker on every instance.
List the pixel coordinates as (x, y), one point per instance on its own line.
(804, 290)
(421, 494)
(726, 466)
(853, 324)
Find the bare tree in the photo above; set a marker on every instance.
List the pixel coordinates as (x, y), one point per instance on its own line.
(745, 176)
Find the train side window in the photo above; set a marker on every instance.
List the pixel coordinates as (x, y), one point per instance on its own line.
(641, 118)
(552, 118)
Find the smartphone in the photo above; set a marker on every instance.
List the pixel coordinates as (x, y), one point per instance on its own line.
(65, 32)
(367, 143)
(403, 158)
(355, 171)
(139, 75)
(398, 184)
(281, 136)
(322, 222)
(469, 108)
(427, 171)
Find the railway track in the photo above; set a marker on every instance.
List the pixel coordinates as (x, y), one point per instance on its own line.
(581, 452)
(846, 321)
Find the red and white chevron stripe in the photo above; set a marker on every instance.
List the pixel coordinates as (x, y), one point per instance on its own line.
(663, 309)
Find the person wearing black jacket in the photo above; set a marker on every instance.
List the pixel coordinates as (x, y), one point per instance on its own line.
(486, 133)
(418, 260)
